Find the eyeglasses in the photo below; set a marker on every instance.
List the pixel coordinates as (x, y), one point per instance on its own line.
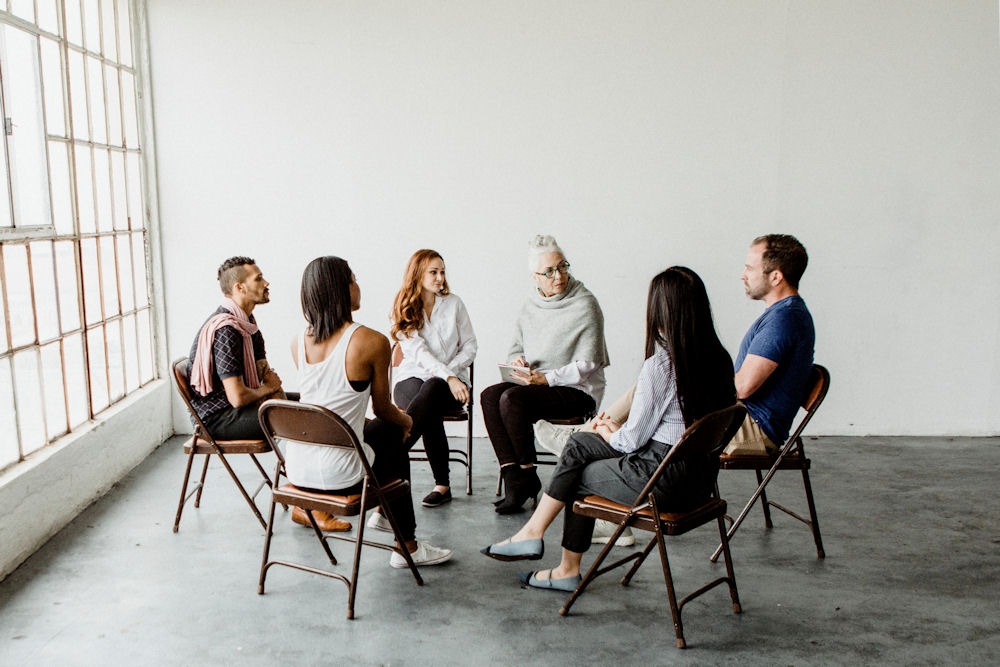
(551, 273)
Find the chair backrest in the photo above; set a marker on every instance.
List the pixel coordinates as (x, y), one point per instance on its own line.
(818, 388)
(182, 380)
(706, 437)
(309, 424)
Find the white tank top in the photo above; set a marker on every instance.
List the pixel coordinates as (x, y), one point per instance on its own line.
(325, 383)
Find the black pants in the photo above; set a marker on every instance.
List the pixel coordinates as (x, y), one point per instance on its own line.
(510, 409)
(426, 401)
(588, 465)
(391, 462)
(238, 423)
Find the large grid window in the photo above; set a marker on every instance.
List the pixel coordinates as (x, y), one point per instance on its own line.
(75, 309)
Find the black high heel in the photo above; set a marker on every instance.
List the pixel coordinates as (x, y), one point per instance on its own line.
(511, 476)
(526, 485)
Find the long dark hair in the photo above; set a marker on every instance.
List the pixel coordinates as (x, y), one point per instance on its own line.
(326, 296)
(679, 320)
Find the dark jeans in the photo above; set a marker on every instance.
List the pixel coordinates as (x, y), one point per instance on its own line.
(391, 462)
(510, 409)
(588, 465)
(426, 402)
(238, 423)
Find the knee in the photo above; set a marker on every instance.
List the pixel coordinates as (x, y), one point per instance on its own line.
(512, 400)
(489, 398)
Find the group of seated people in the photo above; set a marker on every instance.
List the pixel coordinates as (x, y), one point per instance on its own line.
(555, 371)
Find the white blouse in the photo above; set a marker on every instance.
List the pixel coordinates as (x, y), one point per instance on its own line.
(445, 346)
(656, 407)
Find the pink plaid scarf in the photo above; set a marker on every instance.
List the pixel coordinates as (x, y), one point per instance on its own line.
(201, 370)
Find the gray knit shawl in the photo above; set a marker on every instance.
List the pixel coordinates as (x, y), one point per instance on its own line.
(554, 331)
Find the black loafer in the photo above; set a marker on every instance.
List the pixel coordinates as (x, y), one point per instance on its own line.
(436, 498)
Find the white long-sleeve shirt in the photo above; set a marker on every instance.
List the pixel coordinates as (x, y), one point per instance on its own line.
(656, 408)
(445, 346)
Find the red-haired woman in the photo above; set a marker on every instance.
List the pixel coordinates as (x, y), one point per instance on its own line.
(435, 335)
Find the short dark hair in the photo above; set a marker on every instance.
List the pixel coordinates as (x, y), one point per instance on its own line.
(784, 253)
(326, 296)
(679, 320)
(232, 272)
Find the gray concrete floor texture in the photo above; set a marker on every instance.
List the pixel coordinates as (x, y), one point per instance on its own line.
(910, 577)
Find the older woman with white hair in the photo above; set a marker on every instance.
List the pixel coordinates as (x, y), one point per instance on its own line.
(560, 355)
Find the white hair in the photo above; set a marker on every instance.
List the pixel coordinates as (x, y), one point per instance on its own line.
(540, 245)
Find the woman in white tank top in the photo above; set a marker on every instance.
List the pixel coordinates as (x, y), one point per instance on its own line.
(341, 366)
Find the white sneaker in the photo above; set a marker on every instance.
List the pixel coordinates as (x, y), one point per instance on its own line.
(378, 522)
(426, 554)
(553, 438)
(603, 530)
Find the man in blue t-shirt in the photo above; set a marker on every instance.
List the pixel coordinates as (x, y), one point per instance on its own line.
(228, 401)
(774, 363)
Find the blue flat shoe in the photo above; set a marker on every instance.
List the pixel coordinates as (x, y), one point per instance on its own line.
(565, 585)
(523, 550)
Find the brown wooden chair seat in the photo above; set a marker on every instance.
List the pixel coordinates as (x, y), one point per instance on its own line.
(202, 442)
(705, 438)
(792, 456)
(460, 456)
(317, 426)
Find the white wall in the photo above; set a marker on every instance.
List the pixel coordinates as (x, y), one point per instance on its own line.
(641, 134)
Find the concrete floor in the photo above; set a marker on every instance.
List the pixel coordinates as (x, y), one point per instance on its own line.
(910, 577)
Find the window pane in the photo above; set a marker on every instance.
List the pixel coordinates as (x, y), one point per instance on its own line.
(108, 27)
(46, 305)
(133, 180)
(48, 15)
(53, 80)
(62, 197)
(125, 275)
(139, 270)
(145, 347)
(109, 276)
(76, 381)
(116, 369)
(24, 108)
(92, 26)
(118, 190)
(8, 435)
(6, 207)
(91, 281)
(124, 34)
(84, 189)
(29, 400)
(102, 189)
(24, 8)
(4, 346)
(78, 96)
(22, 321)
(97, 366)
(114, 107)
(55, 393)
(131, 353)
(69, 307)
(129, 118)
(74, 24)
(95, 81)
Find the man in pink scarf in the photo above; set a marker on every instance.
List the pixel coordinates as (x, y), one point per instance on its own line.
(229, 371)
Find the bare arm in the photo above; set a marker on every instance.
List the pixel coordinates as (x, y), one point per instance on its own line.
(239, 395)
(376, 354)
(752, 374)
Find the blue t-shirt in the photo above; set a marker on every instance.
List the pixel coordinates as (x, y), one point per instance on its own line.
(784, 334)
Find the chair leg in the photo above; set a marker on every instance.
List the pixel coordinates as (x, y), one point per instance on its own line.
(468, 458)
(764, 504)
(730, 576)
(403, 551)
(243, 491)
(499, 483)
(814, 520)
(201, 484)
(320, 537)
(268, 534)
(184, 485)
(675, 611)
(627, 579)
